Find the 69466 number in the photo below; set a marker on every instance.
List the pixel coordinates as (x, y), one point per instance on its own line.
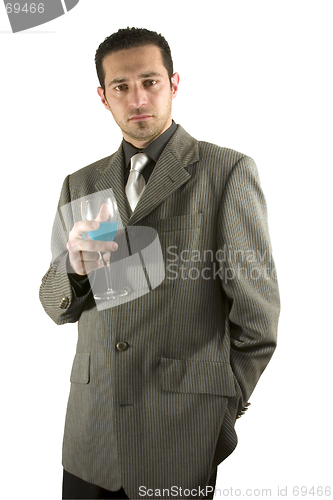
(31, 8)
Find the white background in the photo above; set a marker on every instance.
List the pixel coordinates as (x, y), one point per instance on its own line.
(256, 76)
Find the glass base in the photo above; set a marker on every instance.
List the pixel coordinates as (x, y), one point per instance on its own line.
(111, 294)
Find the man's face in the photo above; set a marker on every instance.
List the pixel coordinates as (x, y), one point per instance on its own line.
(138, 93)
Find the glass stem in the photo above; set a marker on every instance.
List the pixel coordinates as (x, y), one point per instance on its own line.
(107, 274)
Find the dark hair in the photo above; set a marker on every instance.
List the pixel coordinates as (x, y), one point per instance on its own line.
(127, 39)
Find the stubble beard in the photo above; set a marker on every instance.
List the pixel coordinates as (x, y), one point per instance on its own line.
(144, 131)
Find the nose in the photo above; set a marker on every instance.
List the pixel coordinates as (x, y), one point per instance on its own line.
(137, 97)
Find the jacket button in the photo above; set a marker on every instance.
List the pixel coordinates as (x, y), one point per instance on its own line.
(64, 303)
(122, 346)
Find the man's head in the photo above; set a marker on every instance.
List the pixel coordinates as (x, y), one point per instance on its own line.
(135, 70)
(127, 39)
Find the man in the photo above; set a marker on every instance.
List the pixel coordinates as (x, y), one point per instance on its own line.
(158, 382)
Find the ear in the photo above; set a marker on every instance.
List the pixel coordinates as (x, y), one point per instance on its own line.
(100, 92)
(175, 84)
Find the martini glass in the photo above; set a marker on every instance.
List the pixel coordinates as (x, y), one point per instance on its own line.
(103, 210)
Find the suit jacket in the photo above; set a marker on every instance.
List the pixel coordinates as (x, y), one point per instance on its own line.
(162, 412)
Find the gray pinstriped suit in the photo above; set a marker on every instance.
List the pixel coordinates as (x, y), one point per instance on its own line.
(162, 412)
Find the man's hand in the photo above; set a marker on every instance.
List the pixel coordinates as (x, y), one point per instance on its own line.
(85, 253)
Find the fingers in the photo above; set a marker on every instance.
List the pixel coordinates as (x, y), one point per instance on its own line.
(85, 255)
(103, 213)
(85, 262)
(81, 227)
(82, 267)
(98, 246)
(90, 256)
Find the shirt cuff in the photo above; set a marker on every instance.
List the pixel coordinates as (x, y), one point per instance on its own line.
(80, 284)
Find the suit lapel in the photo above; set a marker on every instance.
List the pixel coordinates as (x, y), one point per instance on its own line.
(168, 175)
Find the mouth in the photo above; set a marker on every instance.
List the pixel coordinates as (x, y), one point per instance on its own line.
(140, 118)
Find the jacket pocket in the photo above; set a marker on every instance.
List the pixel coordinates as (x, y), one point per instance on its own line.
(81, 368)
(178, 223)
(197, 377)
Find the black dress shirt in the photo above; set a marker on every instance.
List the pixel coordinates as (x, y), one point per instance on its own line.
(80, 284)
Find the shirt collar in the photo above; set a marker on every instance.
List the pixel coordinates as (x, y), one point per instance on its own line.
(153, 150)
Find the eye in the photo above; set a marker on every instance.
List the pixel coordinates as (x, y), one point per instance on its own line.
(149, 83)
(121, 87)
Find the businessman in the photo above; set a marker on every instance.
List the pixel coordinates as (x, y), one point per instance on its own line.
(158, 382)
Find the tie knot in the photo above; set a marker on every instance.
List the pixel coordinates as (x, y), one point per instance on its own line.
(139, 161)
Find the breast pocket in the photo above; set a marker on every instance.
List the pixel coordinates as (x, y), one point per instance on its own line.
(179, 236)
(178, 223)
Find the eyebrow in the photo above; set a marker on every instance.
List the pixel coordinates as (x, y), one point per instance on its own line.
(142, 76)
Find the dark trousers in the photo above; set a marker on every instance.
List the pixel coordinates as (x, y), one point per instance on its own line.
(74, 487)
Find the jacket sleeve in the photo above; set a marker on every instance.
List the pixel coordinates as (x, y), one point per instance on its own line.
(248, 276)
(56, 293)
